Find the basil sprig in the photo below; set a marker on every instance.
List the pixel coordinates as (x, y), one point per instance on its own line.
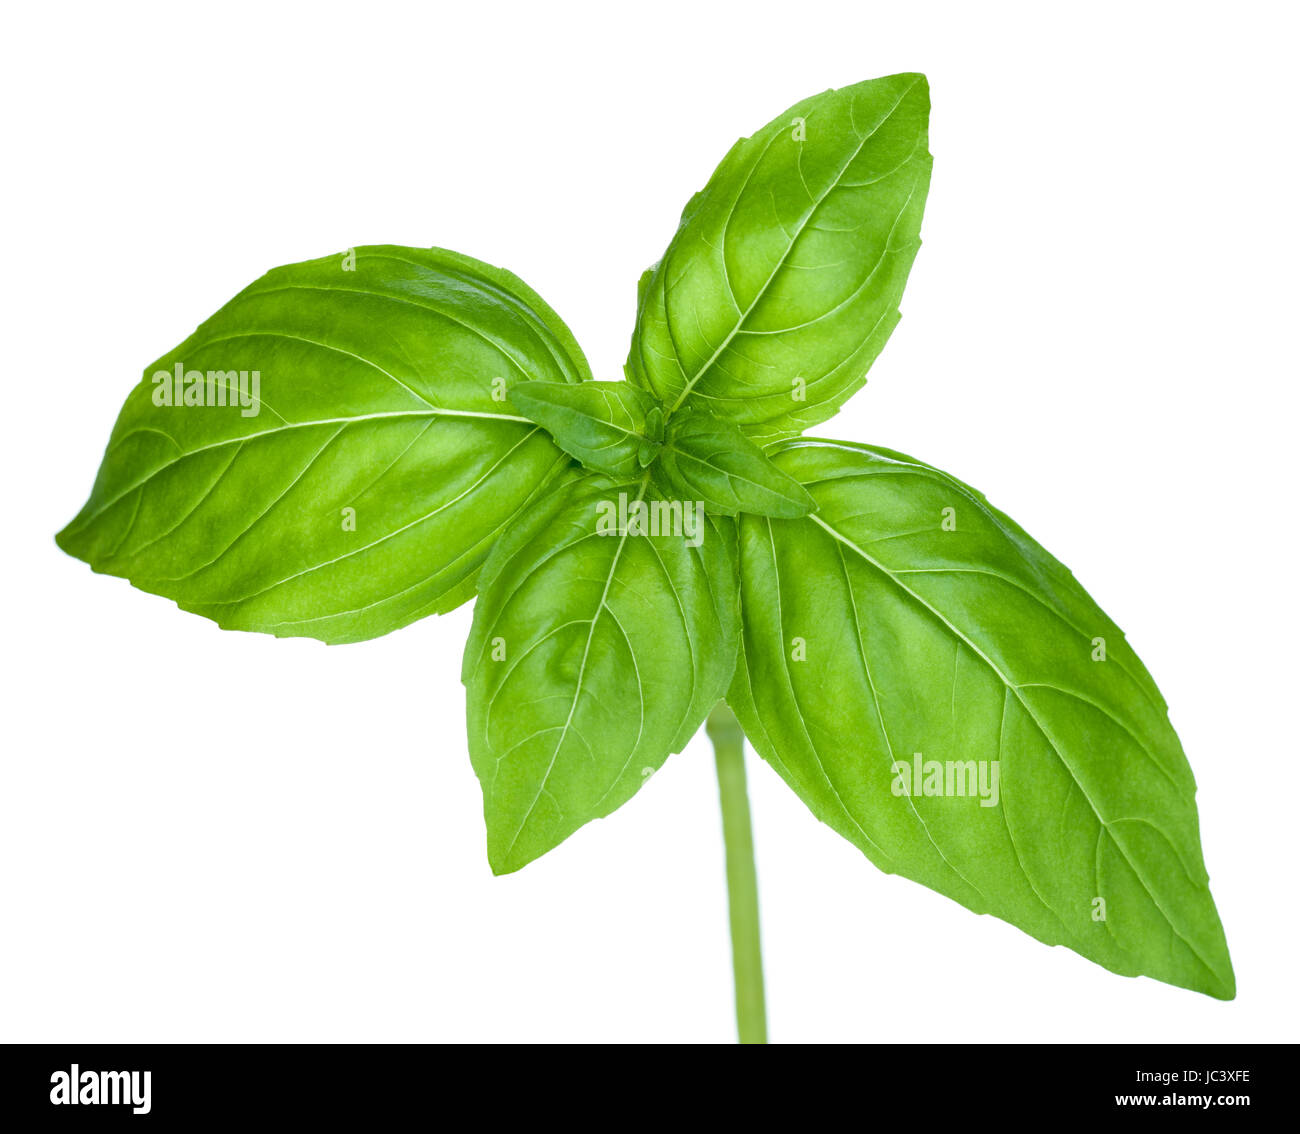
(358, 441)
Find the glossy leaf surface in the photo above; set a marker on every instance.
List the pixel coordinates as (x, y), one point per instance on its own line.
(783, 281)
(597, 649)
(332, 454)
(713, 461)
(603, 424)
(908, 626)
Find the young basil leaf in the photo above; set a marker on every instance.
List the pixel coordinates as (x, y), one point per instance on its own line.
(655, 423)
(782, 283)
(603, 424)
(939, 689)
(332, 453)
(711, 460)
(596, 650)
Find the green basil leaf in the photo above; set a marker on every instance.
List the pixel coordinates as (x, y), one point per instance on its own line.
(782, 283)
(713, 461)
(603, 424)
(348, 456)
(596, 650)
(941, 691)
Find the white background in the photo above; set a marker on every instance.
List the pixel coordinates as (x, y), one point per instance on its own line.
(213, 836)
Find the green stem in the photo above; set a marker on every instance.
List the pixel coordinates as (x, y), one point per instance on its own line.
(742, 880)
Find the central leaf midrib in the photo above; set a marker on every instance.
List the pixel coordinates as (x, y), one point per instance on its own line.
(276, 430)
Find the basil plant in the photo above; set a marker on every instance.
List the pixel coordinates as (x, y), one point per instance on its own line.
(356, 442)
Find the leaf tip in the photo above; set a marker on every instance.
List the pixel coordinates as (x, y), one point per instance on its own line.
(508, 860)
(1224, 984)
(802, 502)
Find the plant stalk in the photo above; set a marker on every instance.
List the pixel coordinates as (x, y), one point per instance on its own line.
(742, 880)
